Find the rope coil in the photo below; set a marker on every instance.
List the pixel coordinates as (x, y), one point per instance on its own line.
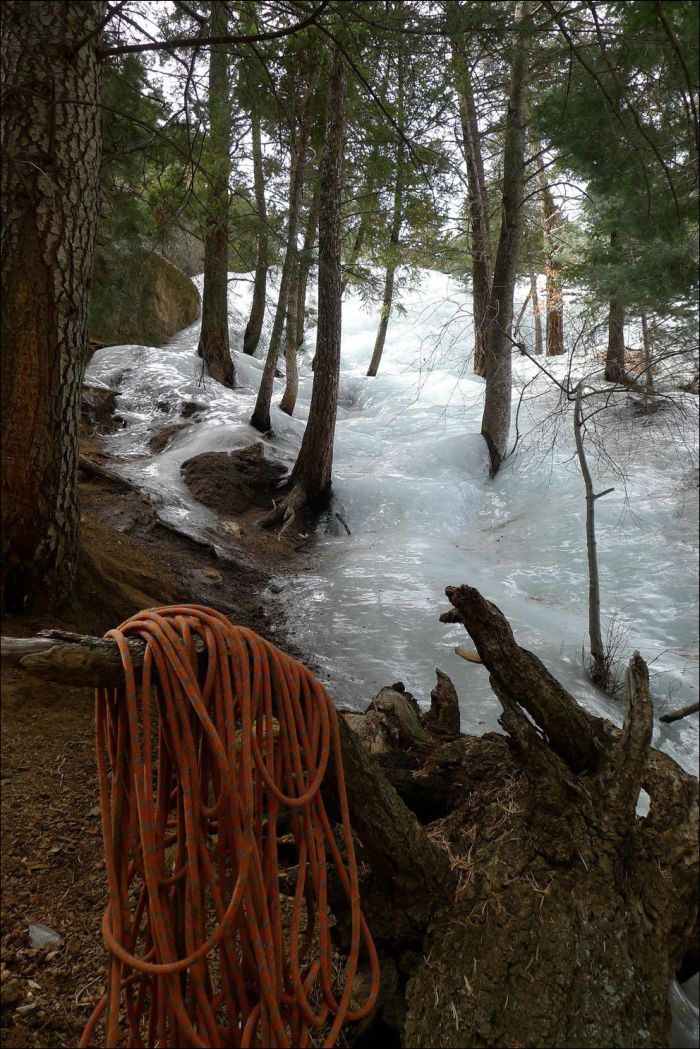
(199, 773)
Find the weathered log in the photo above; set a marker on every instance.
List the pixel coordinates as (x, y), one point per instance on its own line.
(572, 914)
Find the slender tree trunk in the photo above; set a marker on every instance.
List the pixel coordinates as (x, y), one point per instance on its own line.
(51, 145)
(519, 319)
(356, 250)
(477, 199)
(394, 235)
(495, 424)
(553, 288)
(251, 337)
(311, 478)
(647, 355)
(291, 388)
(261, 415)
(214, 346)
(536, 313)
(615, 358)
(306, 257)
(599, 673)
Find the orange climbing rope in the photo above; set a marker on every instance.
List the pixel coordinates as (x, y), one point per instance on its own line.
(201, 775)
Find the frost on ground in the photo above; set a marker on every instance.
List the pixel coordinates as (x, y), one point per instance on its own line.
(411, 481)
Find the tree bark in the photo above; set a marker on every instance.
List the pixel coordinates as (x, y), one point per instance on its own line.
(310, 482)
(300, 142)
(648, 356)
(291, 386)
(214, 348)
(495, 423)
(394, 232)
(599, 671)
(307, 254)
(51, 146)
(536, 314)
(553, 287)
(615, 358)
(251, 338)
(478, 205)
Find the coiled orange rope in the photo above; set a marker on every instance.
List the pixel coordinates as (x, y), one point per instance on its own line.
(199, 774)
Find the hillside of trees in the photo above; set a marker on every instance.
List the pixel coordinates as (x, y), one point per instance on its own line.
(340, 318)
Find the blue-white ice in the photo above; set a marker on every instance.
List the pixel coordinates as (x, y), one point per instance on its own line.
(411, 482)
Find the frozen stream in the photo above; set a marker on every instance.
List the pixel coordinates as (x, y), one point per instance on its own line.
(411, 481)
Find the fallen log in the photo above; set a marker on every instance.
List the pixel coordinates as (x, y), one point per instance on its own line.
(683, 712)
(539, 910)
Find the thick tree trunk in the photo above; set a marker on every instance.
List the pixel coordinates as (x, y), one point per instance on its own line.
(477, 199)
(214, 348)
(495, 423)
(553, 288)
(253, 329)
(51, 145)
(311, 477)
(394, 232)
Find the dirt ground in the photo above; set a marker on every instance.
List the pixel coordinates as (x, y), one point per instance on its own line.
(52, 866)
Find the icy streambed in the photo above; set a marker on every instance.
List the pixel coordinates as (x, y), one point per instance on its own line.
(411, 481)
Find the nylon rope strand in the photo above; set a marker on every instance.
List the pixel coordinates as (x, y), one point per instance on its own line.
(202, 773)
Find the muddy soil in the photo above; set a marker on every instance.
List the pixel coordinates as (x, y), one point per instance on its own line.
(52, 866)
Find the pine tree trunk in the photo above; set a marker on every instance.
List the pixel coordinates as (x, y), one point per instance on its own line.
(553, 288)
(357, 245)
(310, 482)
(394, 234)
(291, 386)
(648, 357)
(306, 257)
(495, 424)
(214, 346)
(51, 146)
(261, 414)
(615, 357)
(536, 313)
(251, 337)
(478, 205)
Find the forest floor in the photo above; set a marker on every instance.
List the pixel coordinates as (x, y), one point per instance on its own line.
(52, 862)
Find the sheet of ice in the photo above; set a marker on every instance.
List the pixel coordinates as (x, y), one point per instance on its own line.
(411, 482)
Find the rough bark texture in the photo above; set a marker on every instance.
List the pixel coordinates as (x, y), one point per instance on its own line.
(536, 313)
(291, 386)
(394, 235)
(571, 915)
(495, 423)
(615, 357)
(261, 414)
(311, 478)
(251, 338)
(306, 257)
(51, 144)
(478, 201)
(214, 346)
(553, 289)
